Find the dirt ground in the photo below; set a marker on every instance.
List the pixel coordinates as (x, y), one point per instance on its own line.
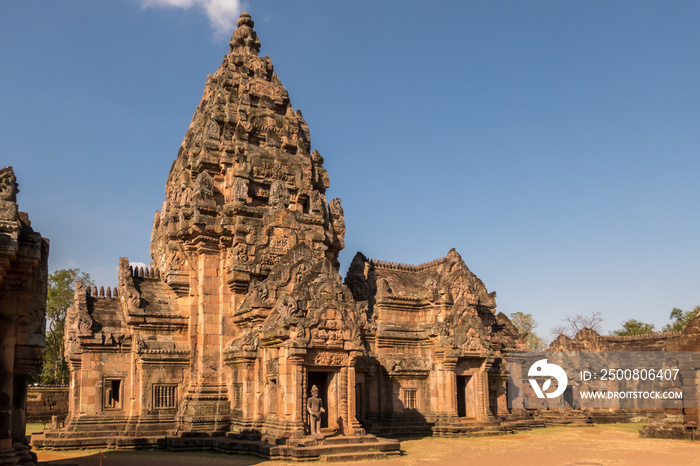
(560, 446)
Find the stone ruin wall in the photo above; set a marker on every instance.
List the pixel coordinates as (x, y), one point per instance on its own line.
(686, 340)
(23, 284)
(46, 401)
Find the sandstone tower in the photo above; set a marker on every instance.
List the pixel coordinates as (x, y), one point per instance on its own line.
(244, 190)
(244, 310)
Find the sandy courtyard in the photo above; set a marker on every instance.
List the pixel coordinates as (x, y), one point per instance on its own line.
(601, 445)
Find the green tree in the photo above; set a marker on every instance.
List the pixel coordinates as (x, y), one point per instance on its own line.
(680, 319)
(525, 323)
(54, 369)
(634, 327)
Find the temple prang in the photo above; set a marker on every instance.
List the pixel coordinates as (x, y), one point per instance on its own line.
(243, 308)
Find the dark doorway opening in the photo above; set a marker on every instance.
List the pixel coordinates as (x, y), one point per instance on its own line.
(493, 401)
(461, 396)
(360, 402)
(320, 379)
(569, 396)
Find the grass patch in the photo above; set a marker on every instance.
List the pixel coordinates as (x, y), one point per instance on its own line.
(34, 428)
(631, 427)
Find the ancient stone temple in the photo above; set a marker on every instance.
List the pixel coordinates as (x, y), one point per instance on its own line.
(23, 279)
(244, 310)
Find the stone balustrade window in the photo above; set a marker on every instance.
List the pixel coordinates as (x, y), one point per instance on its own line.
(164, 396)
(409, 398)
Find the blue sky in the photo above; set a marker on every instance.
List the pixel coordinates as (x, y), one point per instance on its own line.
(554, 144)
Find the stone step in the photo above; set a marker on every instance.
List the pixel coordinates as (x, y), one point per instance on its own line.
(112, 442)
(343, 439)
(320, 450)
(489, 433)
(478, 423)
(523, 425)
(473, 433)
(368, 455)
(408, 430)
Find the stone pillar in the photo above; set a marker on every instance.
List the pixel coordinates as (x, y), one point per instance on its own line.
(19, 408)
(354, 426)
(343, 427)
(482, 395)
(449, 409)
(7, 356)
(208, 316)
(515, 372)
(75, 387)
(99, 395)
(296, 390)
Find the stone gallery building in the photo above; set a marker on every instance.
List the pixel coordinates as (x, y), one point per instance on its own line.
(243, 309)
(23, 278)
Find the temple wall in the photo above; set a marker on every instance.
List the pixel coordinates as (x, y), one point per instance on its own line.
(23, 284)
(44, 401)
(106, 385)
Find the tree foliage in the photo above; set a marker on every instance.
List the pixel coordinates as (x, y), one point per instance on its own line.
(634, 327)
(53, 366)
(680, 318)
(574, 324)
(525, 323)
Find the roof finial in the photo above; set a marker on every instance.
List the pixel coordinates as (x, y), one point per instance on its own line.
(245, 37)
(8, 185)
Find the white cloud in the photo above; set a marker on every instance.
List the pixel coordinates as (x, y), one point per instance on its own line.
(222, 14)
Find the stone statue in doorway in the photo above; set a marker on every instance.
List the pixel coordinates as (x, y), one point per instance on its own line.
(314, 405)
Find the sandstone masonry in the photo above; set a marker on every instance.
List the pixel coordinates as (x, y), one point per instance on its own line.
(23, 280)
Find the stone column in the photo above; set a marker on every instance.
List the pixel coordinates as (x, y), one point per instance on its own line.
(19, 408)
(7, 356)
(296, 390)
(354, 426)
(99, 395)
(482, 396)
(74, 393)
(450, 408)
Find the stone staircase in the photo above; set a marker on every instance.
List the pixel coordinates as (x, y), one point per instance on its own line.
(332, 449)
(336, 448)
(347, 448)
(59, 441)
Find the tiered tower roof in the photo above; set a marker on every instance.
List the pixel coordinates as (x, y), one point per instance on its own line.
(245, 179)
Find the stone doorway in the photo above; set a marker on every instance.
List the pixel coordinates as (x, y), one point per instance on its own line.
(327, 391)
(466, 397)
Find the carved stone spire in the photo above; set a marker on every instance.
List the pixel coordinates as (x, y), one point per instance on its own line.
(245, 180)
(244, 38)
